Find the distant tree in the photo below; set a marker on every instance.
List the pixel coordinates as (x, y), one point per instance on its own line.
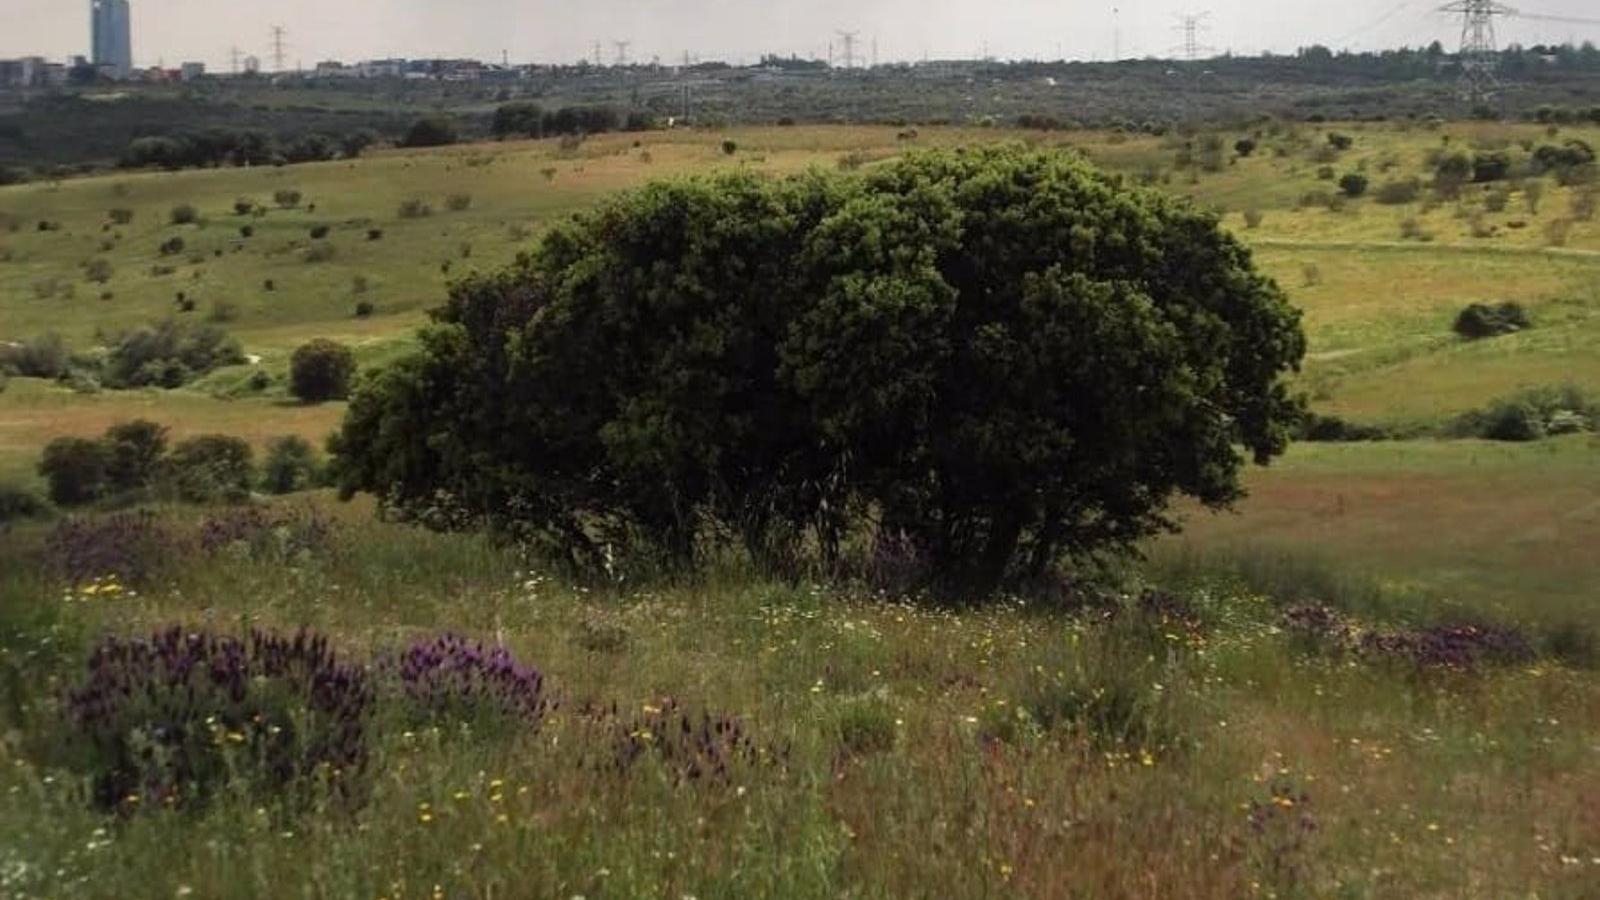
(357, 142)
(432, 131)
(321, 370)
(523, 119)
(290, 466)
(1244, 147)
(1353, 185)
(1340, 141)
(212, 468)
(998, 356)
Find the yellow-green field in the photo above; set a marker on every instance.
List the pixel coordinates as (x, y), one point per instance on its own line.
(1133, 750)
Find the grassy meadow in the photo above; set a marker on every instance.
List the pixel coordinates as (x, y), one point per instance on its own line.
(1198, 746)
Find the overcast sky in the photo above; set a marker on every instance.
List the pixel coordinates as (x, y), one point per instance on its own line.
(172, 31)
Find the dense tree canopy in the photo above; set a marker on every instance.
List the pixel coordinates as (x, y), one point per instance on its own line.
(1000, 357)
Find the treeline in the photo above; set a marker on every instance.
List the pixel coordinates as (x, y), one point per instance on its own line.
(217, 147)
(531, 120)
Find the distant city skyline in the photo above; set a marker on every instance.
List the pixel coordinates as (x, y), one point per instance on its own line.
(173, 31)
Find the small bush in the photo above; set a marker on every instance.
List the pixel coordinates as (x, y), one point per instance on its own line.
(458, 202)
(1481, 320)
(1253, 218)
(433, 131)
(374, 234)
(729, 148)
(318, 232)
(1397, 193)
(120, 216)
(172, 246)
(415, 208)
(212, 468)
(290, 466)
(1244, 147)
(184, 214)
(45, 356)
(1354, 185)
(320, 253)
(168, 354)
(175, 719)
(76, 469)
(269, 534)
(1334, 430)
(247, 231)
(18, 504)
(1532, 415)
(287, 198)
(1412, 230)
(134, 455)
(321, 371)
(365, 309)
(1340, 142)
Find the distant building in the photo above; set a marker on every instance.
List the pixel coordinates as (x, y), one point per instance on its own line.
(192, 71)
(383, 68)
(112, 35)
(21, 73)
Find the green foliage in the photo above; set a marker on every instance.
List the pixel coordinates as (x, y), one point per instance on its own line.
(1244, 147)
(729, 148)
(290, 466)
(321, 370)
(521, 119)
(432, 131)
(1398, 193)
(867, 727)
(1002, 354)
(134, 455)
(212, 468)
(286, 198)
(1483, 320)
(1340, 142)
(45, 356)
(18, 504)
(76, 469)
(184, 214)
(1532, 415)
(458, 202)
(1354, 185)
(1487, 167)
(120, 216)
(168, 354)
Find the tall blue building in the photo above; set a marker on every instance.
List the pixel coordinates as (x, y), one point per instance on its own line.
(113, 36)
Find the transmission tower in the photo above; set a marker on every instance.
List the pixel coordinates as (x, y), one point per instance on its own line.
(622, 51)
(1480, 56)
(1192, 25)
(278, 47)
(233, 56)
(849, 38)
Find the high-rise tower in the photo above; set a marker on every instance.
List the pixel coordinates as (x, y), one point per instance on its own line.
(112, 33)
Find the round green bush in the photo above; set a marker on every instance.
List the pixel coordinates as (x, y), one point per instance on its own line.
(321, 371)
(76, 469)
(1000, 356)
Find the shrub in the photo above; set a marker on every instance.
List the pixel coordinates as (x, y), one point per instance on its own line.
(1340, 141)
(1572, 154)
(321, 370)
(98, 270)
(286, 198)
(729, 148)
(450, 681)
(76, 469)
(365, 309)
(867, 727)
(458, 202)
(184, 214)
(129, 549)
(121, 216)
(247, 231)
(19, 504)
(1244, 147)
(320, 253)
(822, 346)
(318, 232)
(1253, 218)
(709, 749)
(1412, 230)
(415, 208)
(172, 246)
(268, 534)
(1532, 415)
(211, 468)
(168, 354)
(1332, 429)
(175, 719)
(290, 466)
(45, 356)
(1584, 203)
(1396, 193)
(1487, 167)
(1481, 320)
(374, 234)
(134, 455)
(432, 131)
(1353, 185)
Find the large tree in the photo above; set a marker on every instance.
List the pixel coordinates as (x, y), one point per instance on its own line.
(1001, 356)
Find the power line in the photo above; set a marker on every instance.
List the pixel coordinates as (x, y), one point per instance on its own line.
(1480, 54)
(849, 38)
(278, 47)
(1192, 25)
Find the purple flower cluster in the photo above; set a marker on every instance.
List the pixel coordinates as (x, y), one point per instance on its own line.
(703, 748)
(272, 533)
(1281, 830)
(450, 677)
(1447, 646)
(135, 547)
(168, 719)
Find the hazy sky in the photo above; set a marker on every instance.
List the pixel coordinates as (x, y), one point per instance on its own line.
(172, 31)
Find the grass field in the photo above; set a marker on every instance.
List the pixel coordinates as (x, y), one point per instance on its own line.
(926, 752)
